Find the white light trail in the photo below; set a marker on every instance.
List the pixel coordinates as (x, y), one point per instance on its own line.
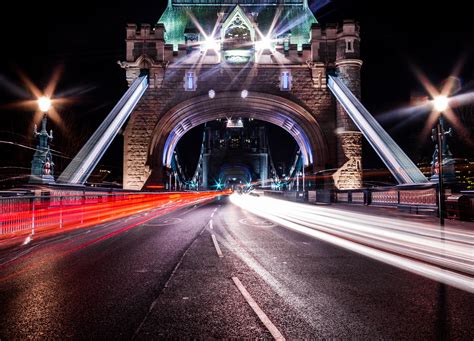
(412, 246)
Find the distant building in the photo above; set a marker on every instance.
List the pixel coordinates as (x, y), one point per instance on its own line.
(235, 152)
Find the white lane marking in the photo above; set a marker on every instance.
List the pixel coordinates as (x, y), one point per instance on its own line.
(27, 240)
(261, 315)
(212, 215)
(218, 249)
(211, 226)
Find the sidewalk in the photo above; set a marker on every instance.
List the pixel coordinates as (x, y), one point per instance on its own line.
(393, 212)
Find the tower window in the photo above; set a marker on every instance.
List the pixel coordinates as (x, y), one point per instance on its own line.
(350, 45)
(285, 81)
(190, 81)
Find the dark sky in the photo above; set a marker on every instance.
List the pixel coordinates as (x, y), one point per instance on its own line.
(86, 38)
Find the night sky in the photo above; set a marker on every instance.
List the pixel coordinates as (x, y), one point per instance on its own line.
(85, 39)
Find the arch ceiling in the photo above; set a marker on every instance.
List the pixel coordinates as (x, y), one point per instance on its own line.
(296, 120)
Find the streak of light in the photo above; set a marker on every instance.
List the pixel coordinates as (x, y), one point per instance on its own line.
(137, 221)
(55, 152)
(62, 213)
(412, 246)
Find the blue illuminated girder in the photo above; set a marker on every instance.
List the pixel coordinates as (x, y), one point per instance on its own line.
(397, 162)
(89, 156)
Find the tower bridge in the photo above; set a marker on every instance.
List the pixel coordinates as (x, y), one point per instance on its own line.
(267, 60)
(228, 47)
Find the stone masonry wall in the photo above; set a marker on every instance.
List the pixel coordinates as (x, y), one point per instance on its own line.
(158, 100)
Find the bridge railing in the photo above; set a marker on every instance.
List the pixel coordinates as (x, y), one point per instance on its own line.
(57, 210)
(404, 197)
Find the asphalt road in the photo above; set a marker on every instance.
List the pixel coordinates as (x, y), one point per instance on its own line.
(164, 278)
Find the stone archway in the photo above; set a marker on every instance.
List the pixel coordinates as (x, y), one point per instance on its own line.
(292, 117)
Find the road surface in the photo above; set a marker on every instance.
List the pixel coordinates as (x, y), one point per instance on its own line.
(215, 271)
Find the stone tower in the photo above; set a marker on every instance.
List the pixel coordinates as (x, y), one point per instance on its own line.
(273, 50)
(348, 65)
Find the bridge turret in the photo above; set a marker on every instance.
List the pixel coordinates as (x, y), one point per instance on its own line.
(145, 51)
(348, 65)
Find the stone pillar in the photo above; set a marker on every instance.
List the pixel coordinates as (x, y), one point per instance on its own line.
(263, 168)
(348, 66)
(145, 53)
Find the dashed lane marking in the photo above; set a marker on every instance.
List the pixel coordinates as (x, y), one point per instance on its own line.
(261, 315)
(218, 249)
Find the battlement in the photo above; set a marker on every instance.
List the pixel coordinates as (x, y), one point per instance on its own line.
(145, 31)
(349, 27)
(219, 3)
(335, 42)
(328, 44)
(335, 31)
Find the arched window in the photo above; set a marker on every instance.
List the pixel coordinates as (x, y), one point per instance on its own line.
(237, 35)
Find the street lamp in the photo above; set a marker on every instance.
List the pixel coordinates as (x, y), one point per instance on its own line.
(440, 104)
(44, 104)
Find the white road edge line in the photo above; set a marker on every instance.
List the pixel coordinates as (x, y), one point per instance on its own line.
(218, 249)
(211, 226)
(261, 315)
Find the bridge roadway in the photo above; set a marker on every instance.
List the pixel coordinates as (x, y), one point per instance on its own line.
(164, 278)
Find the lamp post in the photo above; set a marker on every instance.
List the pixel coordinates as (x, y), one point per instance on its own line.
(42, 165)
(440, 104)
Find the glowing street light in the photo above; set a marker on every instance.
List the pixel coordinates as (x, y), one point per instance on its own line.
(44, 104)
(440, 103)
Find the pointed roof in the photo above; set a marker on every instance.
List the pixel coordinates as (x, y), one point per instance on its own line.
(237, 12)
(295, 17)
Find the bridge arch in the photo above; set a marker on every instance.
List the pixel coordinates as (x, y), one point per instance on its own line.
(292, 117)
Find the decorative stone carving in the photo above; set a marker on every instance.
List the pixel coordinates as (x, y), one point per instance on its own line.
(349, 176)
